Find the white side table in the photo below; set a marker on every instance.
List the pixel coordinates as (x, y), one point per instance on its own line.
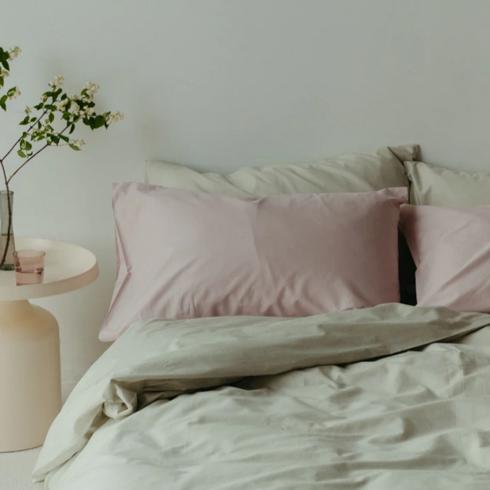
(30, 387)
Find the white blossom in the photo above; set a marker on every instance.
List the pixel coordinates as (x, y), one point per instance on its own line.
(62, 105)
(14, 52)
(57, 81)
(75, 108)
(28, 110)
(78, 143)
(89, 111)
(114, 117)
(91, 88)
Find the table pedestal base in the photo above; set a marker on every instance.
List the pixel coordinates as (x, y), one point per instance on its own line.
(30, 393)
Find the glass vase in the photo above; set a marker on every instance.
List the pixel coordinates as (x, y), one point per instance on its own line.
(7, 242)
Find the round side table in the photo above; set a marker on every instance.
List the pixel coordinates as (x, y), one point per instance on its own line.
(30, 387)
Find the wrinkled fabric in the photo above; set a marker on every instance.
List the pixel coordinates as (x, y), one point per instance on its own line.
(350, 172)
(439, 186)
(185, 254)
(334, 401)
(451, 250)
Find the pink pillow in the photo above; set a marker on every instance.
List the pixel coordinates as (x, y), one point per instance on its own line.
(451, 249)
(184, 254)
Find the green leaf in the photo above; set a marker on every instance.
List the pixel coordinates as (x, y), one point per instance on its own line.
(25, 121)
(96, 122)
(4, 56)
(73, 147)
(21, 154)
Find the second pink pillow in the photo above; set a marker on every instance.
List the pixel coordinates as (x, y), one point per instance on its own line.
(451, 249)
(189, 254)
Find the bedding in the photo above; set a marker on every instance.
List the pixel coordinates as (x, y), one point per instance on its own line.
(185, 254)
(439, 186)
(352, 172)
(451, 250)
(383, 398)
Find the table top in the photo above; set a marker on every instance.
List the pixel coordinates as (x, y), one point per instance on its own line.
(67, 267)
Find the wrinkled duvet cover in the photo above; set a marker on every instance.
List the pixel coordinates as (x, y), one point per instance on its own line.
(391, 397)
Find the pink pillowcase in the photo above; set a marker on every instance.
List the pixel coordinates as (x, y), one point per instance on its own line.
(451, 249)
(184, 254)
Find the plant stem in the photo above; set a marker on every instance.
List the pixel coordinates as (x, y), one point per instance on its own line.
(9, 207)
(25, 163)
(27, 131)
(11, 176)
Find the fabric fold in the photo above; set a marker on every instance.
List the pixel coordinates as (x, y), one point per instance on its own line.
(164, 359)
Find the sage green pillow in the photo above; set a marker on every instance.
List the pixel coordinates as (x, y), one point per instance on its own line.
(439, 186)
(354, 172)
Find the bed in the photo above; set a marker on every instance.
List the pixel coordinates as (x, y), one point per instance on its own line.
(383, 396)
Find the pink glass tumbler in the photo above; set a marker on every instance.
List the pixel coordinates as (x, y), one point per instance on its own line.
(29, 266)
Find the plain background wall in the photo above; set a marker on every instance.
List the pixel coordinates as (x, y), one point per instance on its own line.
(223, 83)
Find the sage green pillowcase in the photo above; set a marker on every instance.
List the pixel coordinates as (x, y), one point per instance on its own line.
(439, 186)
(353, 172)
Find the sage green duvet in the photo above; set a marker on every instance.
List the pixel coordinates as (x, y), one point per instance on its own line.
(392, 397)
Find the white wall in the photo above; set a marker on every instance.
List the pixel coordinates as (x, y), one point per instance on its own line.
(221, 83)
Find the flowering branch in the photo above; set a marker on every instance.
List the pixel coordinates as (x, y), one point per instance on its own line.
(56, 108)
(12, 92)
(12, 148)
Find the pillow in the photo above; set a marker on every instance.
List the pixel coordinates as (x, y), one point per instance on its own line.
(354, 172)
(185, 254)
(451, 250)
(345, 173)
(438, 186)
